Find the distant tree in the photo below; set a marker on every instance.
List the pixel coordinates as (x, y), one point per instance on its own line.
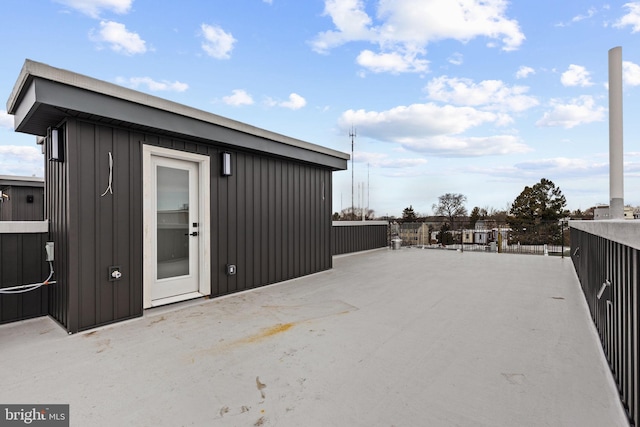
(408, 214)
(577, 214)
(589, 213)
(355, 214)
(474, 217)
(499, 216)
(535, 214)
(336, 216)
(452, 206)
(444, 236)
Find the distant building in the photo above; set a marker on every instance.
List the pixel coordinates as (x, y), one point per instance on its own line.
(122, 168)
(414, 233)
(21, 198)
(602, 212)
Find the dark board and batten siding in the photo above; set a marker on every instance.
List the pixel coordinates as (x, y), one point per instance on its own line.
(22, 262)
(93, 232)
(17, 208)
(271, 218)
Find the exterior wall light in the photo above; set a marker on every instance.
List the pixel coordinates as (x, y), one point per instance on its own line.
(55, 146)
(226, 164)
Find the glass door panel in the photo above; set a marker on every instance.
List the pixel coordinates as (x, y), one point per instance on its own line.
(172, 222)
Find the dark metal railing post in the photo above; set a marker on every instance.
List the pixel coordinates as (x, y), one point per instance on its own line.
(608, 274)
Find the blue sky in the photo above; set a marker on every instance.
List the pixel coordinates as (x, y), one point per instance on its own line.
(474, 97)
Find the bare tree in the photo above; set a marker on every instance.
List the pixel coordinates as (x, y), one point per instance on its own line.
(452, 206)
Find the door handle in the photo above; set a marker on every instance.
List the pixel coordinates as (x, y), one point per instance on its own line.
(195, 233)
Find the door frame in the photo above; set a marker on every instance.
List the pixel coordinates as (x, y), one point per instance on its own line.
(148, 212)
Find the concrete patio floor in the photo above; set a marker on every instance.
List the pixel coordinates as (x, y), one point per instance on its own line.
(387, 338)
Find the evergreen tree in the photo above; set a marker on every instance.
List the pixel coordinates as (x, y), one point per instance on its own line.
(474, 217)
(535, 214)
(408, 214)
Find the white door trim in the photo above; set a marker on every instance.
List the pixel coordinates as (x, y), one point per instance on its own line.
(204, 177)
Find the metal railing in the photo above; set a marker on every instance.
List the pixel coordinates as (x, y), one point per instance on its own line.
(554, 241)
(606, 257)
(357, 236)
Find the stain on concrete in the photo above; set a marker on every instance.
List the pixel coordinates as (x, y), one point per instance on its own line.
(162, 318)
(514, 378)
(260, 386)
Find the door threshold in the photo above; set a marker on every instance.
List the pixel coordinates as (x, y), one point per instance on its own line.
(176, 298)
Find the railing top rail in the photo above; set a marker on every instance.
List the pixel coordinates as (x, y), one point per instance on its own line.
(626, 232)
(352, 223)
(13, 227)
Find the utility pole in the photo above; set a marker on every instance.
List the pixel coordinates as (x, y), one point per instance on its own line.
(368, 189)
(352, 134)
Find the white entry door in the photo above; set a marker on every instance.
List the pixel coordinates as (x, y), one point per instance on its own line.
(176, 234)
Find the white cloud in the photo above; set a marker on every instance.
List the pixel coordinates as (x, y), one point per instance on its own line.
(406, 27)
(450, 146)
(579, 111)
(632, 18)
(93, 8)
(237, 98)
(491, 94)
(576, 75)
(393, 62)
(21, 160)
(217, 42)
(433, 129)
(6, 120)
(351, 22)
(631, 73)
(456, 59)
(295, 102)
(590, 13)
(380, 160)
(119, 38)
(524, 72)
(424, 21)
(563, 165)
(153, 85)
(549, 167)
(422, 119)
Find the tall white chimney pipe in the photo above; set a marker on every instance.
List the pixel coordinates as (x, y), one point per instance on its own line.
(616, 168)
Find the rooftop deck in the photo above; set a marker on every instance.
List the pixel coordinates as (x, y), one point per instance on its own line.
(387, 338)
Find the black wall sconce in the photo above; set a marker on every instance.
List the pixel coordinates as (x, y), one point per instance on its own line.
(56, 146)
(226, 164)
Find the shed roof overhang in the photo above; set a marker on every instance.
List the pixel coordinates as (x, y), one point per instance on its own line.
(21, 181)
(43, 96)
